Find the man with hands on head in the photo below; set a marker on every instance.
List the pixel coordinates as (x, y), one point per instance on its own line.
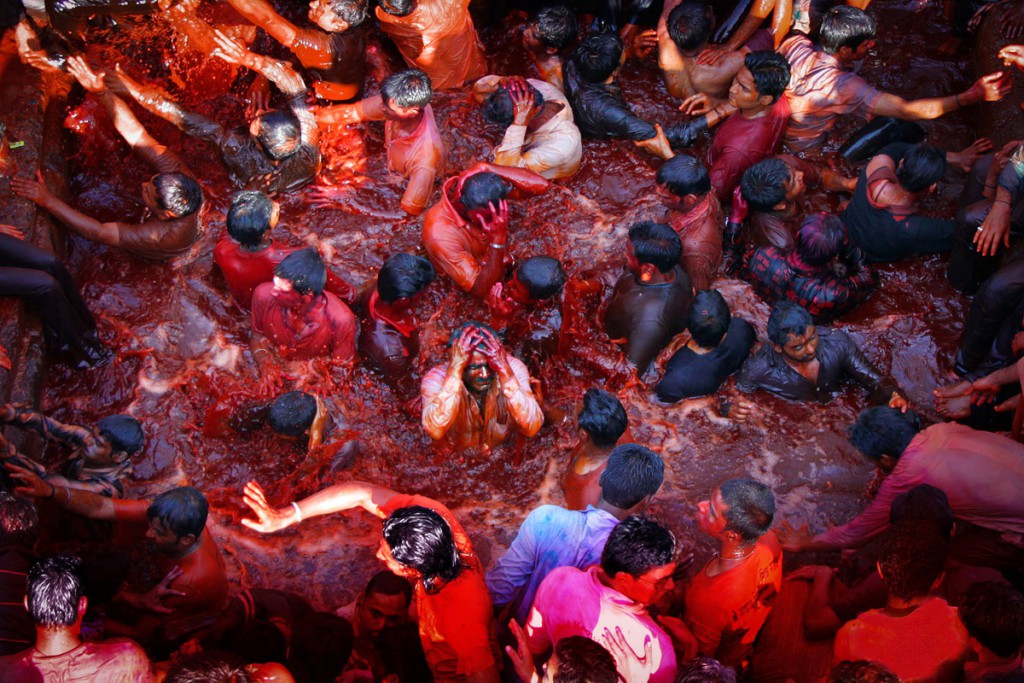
(480, 394)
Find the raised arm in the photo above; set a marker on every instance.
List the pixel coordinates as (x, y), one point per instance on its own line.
(158, 104)
(990, 88)
(35, 190)
(85, 503)
(72, 435)
(262, 13)
(337, 498)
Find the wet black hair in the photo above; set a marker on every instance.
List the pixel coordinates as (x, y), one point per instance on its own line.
(53, 589)
(556, 26)
(882, 430)
(385, 582)
(770, 72)
(123, 432)
(498, 107)
(178, 193)
(420, 538)
(457, 332)
(249, 217)
(820, 238)
(482, 189)
(181, 510)
(19, 521)
(403, 276)
(926, 503)
(542, 276)
(690, 24)
(861, 671)
(993, 614)
(208, 667)
(787, 318)
(305, 270)
(352, 12)
(637, 545)
(602, 417)
(279, 133)
(582, 660)
(845, 26)
(764, 184)
(913, 555)
(408, 88)
(705, 670)
(397, 8)
(683, 175)
(10, 14)
(598, 56)
(633, 473)
(292, 414)
(657, 244)
(922, 166)
(750, 508)
(708, 318)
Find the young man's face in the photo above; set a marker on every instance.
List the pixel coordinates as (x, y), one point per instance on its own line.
(711, 515)
(162, 539)
(517, 291)
(795, 185)
(323, 15)
(395, 112)
(653, 584)
(478, 375)
(378, 611)
(532, 41)
(282, 285)
(743, 93)
(801, 348)
(149, 196)
(393, 565)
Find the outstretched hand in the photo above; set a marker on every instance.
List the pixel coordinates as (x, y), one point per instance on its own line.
(994, 86)
(994, 230)
(644, 42)
(29, 483)
(11, 231)
(230, 50)
(1013, 55)
(152, 599)
(84, 74)
(522, 658)
(965, 158)
(697, 105)
(523, 103)
(33, 190)
(711, 55)
(268, 520)
(793, 539)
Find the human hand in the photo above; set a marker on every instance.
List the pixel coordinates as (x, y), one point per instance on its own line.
(192, 646)
(84, 74)
(636, 666)
(740, 208)
(268, 520)
(152, 599)
(658, 145)
(1013, 55)
(1012, 21)
(984, 390)
(711, 55)
(498, 303)
(965, 158)
(334, 115)
(494, 351)
(258, 100)
(38, 59)
(742, 410)
(522, 658)
(697, 105)
(463, 348)
(992, 87)
(994, 230)
(897, 400)
(793, 539)
(682, 638)
(523, 103)
(31, 484)
(323, 195)
(33, 190)
(231, 51)
(1009, 404)
(497, 225)
(11, 231)
(644, 42)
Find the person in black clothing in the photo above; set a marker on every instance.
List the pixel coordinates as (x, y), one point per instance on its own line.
(718, 347)
(19, 528)
(804, 363)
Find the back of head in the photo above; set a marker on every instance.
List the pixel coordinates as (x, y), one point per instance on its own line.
(708, 318)
(388, 583)
(690, 24)
(602, 417)
(582, 660)
(845, 26)
(556, 26)
(279, 133)
(657, 244)
(182, 511)
(912, 557)
(482, 189)
(820, 238)
(498, 107)
(750, 508)
(398, 8)
(207, 667)
(352, 12)
(257, 641)
(884, 431)
(123, 432)
(249, 217)
(924, 503)
(770, 71)
(993, 614)
(683, 175)
(633, 473)
(598, 56)
(292, 414)
(861, 671)
(636, 546)
(922, 166)
(705, 670)
(179, 194)
(305, 270)
(325, 648)
(787, 319)
(53, 591)
(542, 276)
(764, 184)
(19, 521)
(408, 88)
(403, 276)
(420, 538)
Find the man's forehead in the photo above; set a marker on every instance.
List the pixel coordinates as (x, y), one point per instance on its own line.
(385, 602)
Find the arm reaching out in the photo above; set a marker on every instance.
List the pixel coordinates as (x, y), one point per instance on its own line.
(335, 498)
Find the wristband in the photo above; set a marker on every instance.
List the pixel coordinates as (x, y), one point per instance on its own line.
(53, 490)
(298, 512)
(495, 245)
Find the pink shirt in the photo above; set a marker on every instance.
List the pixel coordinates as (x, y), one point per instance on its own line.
(115, 661)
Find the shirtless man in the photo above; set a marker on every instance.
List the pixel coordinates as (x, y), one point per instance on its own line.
(603, 424)
(547, 39)
(683, 32)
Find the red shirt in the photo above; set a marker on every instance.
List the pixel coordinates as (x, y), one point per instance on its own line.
(304, 328)
(740, 143)
(456, 625)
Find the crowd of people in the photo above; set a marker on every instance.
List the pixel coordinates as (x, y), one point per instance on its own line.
(596, 590)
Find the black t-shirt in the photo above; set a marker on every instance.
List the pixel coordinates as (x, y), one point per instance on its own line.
(689, 374)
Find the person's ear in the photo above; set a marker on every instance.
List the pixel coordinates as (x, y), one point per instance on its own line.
(781, 206)
(765, 100)
(551, 50)
(778, 349)
(932, 188)
(83, 605)
(845, 53)
(887, 462)
(188, 540)
(647, 271)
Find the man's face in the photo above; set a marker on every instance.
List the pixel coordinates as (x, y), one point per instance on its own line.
(282, 285)
(532, 41)
(378, 611)
(711, 515)
(795, 185)
(324, 16)
(149, 196)
(478, 376)
(802, 348)
(393, 565)
(743, 93)
(162, 539)
(517, 290)
(862, 50)
(653, 584)
(395, 112)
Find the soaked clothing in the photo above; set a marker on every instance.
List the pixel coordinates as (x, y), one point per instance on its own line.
(387, 345)
(778, 275)
(453, 245)
(820, 90)
(117, 660)
(17, 631)
(438, 37)
(303, 327)
(573, 602)
(739, 143)
(994, 318)
(550, 537)
(456, 626)
(689, 374)
(419, 152)
(725, 612)
(337, 61)
(450, 411)
(648, 315)
(700, 231)
(600, 110)
(776, 228)
(839, 360)
(890, 233)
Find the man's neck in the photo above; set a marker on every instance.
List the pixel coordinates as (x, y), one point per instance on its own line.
(546, 114)
(51, 642)
(756, 112)
(900, 605)
(660, 278)
(188, 551)
(256, 248)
